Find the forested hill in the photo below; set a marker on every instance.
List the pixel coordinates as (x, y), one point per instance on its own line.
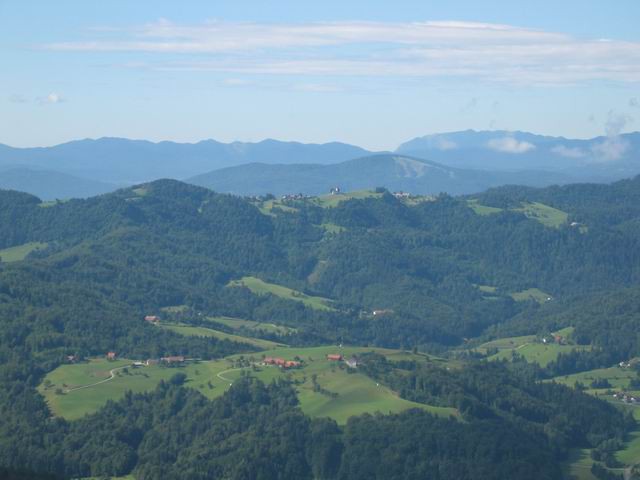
(396, 172)
(422, 273)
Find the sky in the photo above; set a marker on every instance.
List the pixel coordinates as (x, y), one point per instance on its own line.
(371, 73)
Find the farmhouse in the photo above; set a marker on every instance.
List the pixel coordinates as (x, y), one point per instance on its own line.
(334, 191)
(111, 355)
(71, 358)
(351, 363)
(334, 357)
(281, 362)
(381, 313)
(173, 359)
(152, 361)
(152, 319)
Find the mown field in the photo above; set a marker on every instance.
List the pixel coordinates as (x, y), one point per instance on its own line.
(20, 252)
(189, 330)
(546, 215)
(529, 347)
(579, 464)
(340, 394)
(260, 287)
(238, 323)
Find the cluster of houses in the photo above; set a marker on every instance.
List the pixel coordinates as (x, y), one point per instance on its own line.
(295, 196)
(170, 360)
(281, 362)
(623, 397)
(401, 194)
(152, 319)
(336, 357)
(557, 339)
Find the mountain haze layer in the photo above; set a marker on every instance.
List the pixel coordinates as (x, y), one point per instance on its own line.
(395, 172)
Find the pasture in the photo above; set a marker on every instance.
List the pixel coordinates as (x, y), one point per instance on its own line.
(546, 215)
(20, 252)
(328, 201)
(193, 331)
(237, 324)
(260, 287)
(338, 394)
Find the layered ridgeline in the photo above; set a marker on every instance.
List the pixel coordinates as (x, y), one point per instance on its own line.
(396, 172)
(232, 287)
(458, 162)
(602, 158)
(117, 162)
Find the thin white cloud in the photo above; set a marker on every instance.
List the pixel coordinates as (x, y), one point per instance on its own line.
(569, 152)
(490, 52)
(51, 99)
(614, 146)
(510, 145)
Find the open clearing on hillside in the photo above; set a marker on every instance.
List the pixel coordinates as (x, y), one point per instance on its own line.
(238, 323)
(534, 294)
(530, 348)
(355, 392)
(546, 215)
(617, 377)
(191, 331)
(260, 287)
(328, 201)
(20, 252)
(482, 209)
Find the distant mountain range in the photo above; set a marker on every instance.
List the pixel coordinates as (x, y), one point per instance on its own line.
(457, 162)
(395, 172)
(605, 158)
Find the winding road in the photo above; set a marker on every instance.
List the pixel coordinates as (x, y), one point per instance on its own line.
(112, 374)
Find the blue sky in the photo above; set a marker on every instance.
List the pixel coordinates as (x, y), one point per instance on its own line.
(373, 73)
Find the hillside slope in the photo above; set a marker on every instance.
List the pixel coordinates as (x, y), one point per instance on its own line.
(395, 172)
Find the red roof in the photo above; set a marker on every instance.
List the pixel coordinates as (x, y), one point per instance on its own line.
(334, 356)
(111, 354)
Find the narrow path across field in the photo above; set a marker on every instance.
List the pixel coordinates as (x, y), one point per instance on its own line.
(112, 374)
(221, 376)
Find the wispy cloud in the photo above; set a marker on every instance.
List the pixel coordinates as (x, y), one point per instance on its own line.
(51, 99)
(509, 145)
(614, 146)
(569, 152)
(490, 52)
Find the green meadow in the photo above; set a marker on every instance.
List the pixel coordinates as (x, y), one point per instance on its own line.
(529, 347)
(20, 252)
(328, 201)
(260, 287)
(340, 395)
(189, 330)
(237, 323)
(546, 215)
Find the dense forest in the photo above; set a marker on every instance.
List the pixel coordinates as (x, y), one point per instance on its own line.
(111, 260)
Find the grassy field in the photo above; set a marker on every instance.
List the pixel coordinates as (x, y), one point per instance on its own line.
(327, 201)
(237, 323)
(618, 378)
(15, 254)
(529, 347)
(546, 215)
(260, 287)
(356, 393)
(192, 331)
(531, 294)
(482, 209)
